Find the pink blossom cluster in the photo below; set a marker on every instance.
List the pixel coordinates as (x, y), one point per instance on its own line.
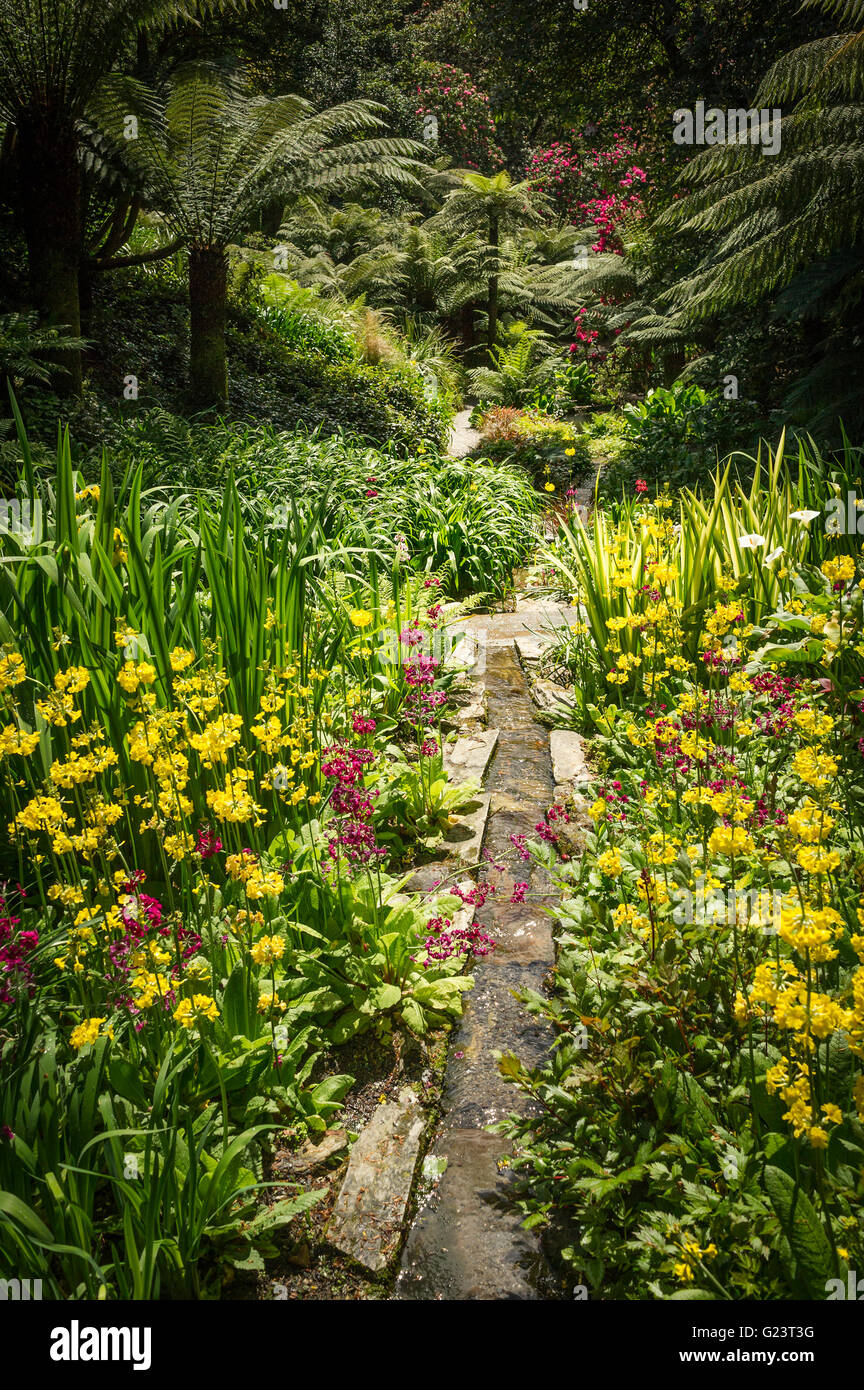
(16, 972)
(354, 837)
(476, 896)
(585, 182)
(422, 699)
(141, 915)
(466, 126)
(208, 844)
(447, 941)
(518, 843)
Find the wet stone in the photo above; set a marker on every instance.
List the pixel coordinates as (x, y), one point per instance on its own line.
(366, 1223)
(530, 648)
(467, 1242)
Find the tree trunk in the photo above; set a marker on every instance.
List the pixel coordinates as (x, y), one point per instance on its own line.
(208, 290)
(673, 365)
(272, 216)
(466, 328)
(50, 201)
(493, 286)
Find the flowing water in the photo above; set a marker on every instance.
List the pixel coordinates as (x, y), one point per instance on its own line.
(466, 1243)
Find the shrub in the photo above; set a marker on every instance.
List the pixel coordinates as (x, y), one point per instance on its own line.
(548, 448)
(672, 436)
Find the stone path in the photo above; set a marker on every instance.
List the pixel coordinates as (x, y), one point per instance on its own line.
(463, 439)
(465, 1242)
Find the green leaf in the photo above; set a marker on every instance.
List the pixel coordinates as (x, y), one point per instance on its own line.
(24, 1215)
(234, 1002)
(814, 1260)
(126, 1079)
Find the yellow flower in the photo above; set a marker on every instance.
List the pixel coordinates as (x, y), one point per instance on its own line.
(609, 863)
(265, 885)
(810, 823)
(216, 738)
(86, 1033)
(268, 949)
(271, 1003)
(180, 658)
(817, 859)
(816, 769)
(12, 670)
(234, 803)
(730, 840)
(360, 617)
(42, 813)
(550, 487)
(839, 569)
(200, 1008)
(15, 740)
(134, 674)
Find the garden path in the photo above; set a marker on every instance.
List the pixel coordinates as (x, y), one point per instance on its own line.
(465, 1243)
(462, 437)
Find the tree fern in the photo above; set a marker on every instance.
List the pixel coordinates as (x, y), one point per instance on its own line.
(56, 57)
(770, 220)
(211, 153)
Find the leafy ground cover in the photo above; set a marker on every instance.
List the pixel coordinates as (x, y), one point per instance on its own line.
(701, 1123)
(221, 756)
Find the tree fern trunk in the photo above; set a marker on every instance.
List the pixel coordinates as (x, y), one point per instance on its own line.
(463, 327)
(208, 291)
(50, 184)
(493, 285)
(673, 365)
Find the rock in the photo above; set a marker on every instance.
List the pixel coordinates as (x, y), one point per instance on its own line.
(547, 694)
(468, 758)
(463, 648)
(542, 607)
(473, 714)
(464, 837)
(366, 1223)
(568, 757)
(469, 697)
(309, 1155)
(531, 647)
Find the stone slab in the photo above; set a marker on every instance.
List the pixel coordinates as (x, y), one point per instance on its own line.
(468, 758)
(463, 648)
(531, 647)
(366, 1223)
(467, 1242)
(464, 838)
(568, 757)
(310, 1155)
(548, 694)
